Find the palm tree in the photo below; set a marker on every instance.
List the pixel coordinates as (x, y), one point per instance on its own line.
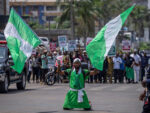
(83, 13)
(139, 17)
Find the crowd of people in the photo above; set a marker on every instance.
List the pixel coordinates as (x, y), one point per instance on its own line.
(128, 67)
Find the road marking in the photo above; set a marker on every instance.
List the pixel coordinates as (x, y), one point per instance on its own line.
(99, 88)
(122, 88)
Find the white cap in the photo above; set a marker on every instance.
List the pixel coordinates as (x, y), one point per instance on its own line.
(77, 60)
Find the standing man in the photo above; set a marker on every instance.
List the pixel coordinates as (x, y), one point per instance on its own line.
(35, 68)
(44, 65)
(122, 69)
(117, 61)
(144, 64)
(102, 74)
(30, 69)
(110, 69)
(136, 67)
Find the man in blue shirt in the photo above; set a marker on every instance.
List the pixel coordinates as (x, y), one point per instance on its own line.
(44, 65)
(144, 63)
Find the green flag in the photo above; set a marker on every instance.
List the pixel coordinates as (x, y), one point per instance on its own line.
(99, 47)
(20, 40)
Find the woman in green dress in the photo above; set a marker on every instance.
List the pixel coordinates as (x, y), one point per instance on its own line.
(76, 96)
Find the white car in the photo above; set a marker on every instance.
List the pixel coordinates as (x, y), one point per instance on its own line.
(45, 42)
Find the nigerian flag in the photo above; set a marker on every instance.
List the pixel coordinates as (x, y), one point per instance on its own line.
(99, 47)
(20, 40)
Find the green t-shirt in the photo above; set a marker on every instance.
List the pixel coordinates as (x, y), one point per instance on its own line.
(77, 81)
(44, 62)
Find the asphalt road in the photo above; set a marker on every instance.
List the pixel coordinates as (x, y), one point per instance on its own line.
(105, 98)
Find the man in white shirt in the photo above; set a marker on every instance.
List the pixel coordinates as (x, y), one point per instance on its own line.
(136, 67)
(117, 61)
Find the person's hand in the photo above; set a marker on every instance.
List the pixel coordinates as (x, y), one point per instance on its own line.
(95, 71)
(142, 96)
(62, 73)
(143, 83)
(91, 73)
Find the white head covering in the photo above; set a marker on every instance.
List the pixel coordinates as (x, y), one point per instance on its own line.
(77, 60)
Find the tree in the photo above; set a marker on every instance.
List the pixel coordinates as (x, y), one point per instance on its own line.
(139, 16)
(144, 46)
(83, 12)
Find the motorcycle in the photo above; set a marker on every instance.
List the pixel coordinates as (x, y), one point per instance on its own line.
(53, 75)
(50, 77)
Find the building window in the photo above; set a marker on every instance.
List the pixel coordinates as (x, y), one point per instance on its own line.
(50, 18)
(34, 8)
(62, 7)
(51, 8)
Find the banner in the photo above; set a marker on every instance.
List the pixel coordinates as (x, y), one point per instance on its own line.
(88, 40)
(52, 46)
(112, 51)
(33, 51)
(126, 45)
(71, 45)
(62, 41)
(59, 61)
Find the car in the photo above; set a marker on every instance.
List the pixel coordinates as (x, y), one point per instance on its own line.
(45, 42)
(2, 38)
(9, 76)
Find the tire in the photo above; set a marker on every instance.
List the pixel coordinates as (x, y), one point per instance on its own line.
(4, 85)
(22, 85)
(50, 79)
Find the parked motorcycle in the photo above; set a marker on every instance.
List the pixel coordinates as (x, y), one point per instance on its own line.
(50, 77)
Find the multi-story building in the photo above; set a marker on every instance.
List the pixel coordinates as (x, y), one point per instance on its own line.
(4, 12)
(4, 7)
(1, 7)
(42, 11)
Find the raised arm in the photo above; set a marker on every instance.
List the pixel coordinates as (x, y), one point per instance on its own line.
(94, 72)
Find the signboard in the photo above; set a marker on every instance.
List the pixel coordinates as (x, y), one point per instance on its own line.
(62, 40)
(126, 45)
(33, 51)
(59, 61)
(52, 46)
(71, 45)
(112, 51)
(88, 40)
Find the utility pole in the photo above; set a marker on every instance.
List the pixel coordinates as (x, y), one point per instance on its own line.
(72, 19)
(49, 26)
(4, 4)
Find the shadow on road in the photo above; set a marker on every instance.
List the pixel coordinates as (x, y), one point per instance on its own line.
(15, 91)
(48, 112)
(93, 111)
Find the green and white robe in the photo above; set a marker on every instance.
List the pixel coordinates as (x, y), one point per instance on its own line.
(76, 96)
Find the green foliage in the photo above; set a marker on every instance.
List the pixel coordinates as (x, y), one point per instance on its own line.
(139, 19)
(86, 12)
(144, 46)
(84, 17)
(34, 25)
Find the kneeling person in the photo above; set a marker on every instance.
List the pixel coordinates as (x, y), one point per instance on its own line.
(76, 96)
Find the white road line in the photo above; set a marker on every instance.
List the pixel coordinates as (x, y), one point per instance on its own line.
(99, 88)
(122, 88)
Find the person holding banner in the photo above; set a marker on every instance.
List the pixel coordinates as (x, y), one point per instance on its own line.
(76, 96)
